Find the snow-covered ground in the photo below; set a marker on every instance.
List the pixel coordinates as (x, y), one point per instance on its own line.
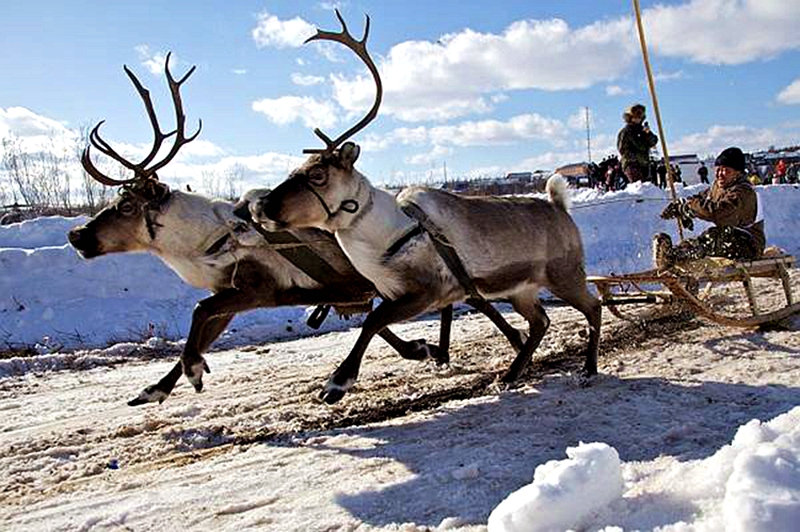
(688, 427)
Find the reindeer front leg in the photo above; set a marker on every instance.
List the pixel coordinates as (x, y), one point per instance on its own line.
(159, 391)
(224, 304)
(386, 313)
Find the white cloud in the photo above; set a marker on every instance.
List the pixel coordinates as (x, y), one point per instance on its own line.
(718, 137)
(200, 148)
(669, 76)
(790, 95)
(616, 90)
(23, 122)
(519, 128)
(578, 119)
(287, 109)
(266, 169)
(436, 155)
(449, 78)
(728, 32)
(271, 31)
(239, 71)
(455, 75)
(549, 161)
(36, 133)
(492, 132)
(306, 80)
(154, 61)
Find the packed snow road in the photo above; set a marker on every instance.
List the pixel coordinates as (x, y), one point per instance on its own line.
(412, 447)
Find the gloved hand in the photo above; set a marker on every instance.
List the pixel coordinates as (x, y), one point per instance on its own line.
(679, 209)
(673, 210)
(687, 223)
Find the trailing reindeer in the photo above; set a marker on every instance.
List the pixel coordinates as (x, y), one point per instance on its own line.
(427, 249)
(208, 244)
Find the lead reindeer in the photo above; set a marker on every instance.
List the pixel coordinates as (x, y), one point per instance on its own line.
(442, 248)
(209, 246)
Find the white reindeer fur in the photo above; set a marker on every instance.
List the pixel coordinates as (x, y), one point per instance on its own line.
(556, 188)
(478, 242)
(192, 223)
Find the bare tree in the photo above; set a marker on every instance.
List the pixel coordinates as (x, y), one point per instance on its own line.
(37, 178)
(234, 179)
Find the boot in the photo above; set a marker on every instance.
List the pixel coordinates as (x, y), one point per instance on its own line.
(662, 251)
(687, 251)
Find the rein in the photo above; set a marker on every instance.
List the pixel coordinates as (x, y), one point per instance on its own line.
(443, 246)
(349, 206)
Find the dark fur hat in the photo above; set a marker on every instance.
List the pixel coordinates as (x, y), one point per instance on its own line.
(732, 158)
(636, 110)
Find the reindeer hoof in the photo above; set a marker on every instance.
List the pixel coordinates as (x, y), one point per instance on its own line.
(195, 374)
(418, 350)
(332, 396)
(439, 355)
(586, 376)
(333, 392)
(151, 394)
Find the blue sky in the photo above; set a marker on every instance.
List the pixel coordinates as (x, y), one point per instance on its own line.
(484, 88)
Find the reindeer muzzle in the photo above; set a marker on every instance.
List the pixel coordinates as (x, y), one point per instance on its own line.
(84, 242)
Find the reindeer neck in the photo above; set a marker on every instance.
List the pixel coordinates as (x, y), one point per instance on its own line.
(189, 224)
(380, 225)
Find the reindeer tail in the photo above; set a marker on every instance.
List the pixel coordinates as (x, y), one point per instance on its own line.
(557, 190)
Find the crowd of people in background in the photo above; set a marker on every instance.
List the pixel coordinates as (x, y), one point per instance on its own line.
(634, 163)
(608, 174)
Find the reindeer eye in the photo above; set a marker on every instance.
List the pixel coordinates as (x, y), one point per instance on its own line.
(318, 177)
(127, 208)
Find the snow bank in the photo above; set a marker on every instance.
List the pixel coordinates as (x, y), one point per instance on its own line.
(47, 290)
(39, 232)
(563, 493)
(750, 485)
(762, 493)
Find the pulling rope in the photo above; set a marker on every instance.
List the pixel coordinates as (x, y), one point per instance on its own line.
(651, 84)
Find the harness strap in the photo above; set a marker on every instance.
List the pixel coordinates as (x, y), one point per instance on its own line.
(349, 206)
(402, 241)
(216, 246)
(304, 258)
(444, 247)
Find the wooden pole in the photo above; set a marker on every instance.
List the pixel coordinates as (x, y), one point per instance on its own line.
(637, 11)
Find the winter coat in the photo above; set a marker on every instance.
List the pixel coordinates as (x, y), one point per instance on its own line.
(633, 144)
(735, 205)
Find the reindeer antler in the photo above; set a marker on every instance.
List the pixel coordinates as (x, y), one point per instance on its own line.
(140, 169)
(360, 49)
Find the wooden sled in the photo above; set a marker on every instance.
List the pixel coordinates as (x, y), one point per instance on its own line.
(679, 284)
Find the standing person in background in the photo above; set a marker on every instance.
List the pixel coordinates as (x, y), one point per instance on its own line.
(677, 173)
(780, 172)
(702, 173)
(634, 142)
(661, 171)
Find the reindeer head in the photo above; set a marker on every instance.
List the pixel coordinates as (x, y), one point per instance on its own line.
(326, 188)
(128, 223)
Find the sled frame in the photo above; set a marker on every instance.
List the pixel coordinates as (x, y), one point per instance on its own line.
(676, 285)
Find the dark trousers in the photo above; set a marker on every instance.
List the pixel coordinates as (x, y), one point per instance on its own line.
(720, 241)
(634, 173)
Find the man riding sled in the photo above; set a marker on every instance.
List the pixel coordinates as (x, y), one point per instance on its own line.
(731, 203)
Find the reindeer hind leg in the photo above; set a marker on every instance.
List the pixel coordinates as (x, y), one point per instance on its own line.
(528, 306)
(571, 288)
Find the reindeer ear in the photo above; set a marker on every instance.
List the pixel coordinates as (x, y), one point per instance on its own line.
(155, 190)
(348, 154)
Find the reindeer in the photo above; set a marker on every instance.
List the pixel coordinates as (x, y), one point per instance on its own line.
(210, 245)
(442, 248)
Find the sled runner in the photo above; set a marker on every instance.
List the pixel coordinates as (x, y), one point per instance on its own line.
(680, 284)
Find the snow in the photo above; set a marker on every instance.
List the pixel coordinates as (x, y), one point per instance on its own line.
(689, 427)
(563, 492)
